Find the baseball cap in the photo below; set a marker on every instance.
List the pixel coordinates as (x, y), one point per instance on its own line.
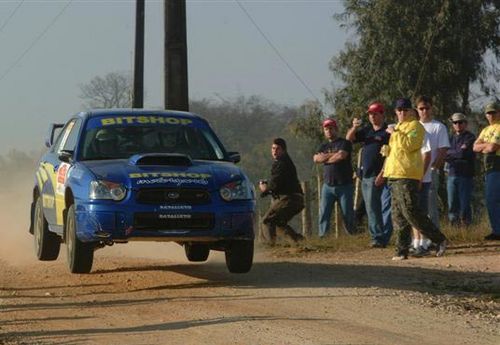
(330, 123)
(375, 107)
(492, 107)
(402, 103)
(457, 117)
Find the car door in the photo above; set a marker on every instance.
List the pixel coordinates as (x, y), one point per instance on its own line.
(54, 187)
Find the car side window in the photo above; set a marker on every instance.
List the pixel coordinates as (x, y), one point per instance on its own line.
(72, 138)
(68, 137)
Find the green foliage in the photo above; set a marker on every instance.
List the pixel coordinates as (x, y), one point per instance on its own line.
(248, 125)
(407, 48)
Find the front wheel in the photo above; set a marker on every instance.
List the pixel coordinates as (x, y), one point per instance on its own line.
(239, 256)
(47, 244)
(80, 255)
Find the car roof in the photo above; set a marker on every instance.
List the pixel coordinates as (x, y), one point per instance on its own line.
(122, 111)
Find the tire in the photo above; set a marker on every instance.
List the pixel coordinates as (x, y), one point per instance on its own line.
(47, 244)
(79, 255)
(196, 252)
(239, 256)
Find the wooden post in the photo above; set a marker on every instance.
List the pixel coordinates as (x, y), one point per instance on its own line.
(306, 212)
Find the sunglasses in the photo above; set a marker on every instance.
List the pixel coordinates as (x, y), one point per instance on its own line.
(424, 108)
(402, 109)
(458, 122)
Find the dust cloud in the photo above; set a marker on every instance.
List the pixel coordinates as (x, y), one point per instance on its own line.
(16, 243)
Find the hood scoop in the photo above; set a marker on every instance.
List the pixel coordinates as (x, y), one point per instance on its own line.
(161, 159)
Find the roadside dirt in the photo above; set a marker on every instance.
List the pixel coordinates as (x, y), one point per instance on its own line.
(148, 293)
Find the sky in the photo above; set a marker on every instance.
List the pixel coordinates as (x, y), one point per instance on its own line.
(49, 48)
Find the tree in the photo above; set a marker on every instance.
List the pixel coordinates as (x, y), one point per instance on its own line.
(406, 48)
(114, 90)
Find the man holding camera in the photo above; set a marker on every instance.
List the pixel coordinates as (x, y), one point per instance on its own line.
(288, 198)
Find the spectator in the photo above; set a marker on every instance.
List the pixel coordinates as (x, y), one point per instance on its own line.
(460, 165)
(488, 143)
(437, 135)
(288, 199)
(439, 141)
(373, 136)
(404, 169)
(335, 155)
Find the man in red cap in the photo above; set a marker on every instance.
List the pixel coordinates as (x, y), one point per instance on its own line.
(335, 155)
(373, 136)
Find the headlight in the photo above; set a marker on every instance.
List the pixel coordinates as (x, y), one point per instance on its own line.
(236, 190)
(107, 190)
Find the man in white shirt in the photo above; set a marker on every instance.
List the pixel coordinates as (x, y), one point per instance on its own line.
(438, 139)
(440, 143)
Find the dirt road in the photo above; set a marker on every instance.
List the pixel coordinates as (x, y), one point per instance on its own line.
(149, 294)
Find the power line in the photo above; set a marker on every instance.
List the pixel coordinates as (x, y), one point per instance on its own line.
(7, 71)
(277, 51)
(11, 15)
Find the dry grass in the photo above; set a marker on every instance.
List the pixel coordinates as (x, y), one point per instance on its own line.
(457, 236)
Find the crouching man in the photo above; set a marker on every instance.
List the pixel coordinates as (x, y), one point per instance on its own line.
(288, 198)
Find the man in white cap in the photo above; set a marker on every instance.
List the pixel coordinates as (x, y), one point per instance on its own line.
(460, 163)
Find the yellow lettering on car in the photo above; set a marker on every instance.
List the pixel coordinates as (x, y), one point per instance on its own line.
(169, 174)
(130, 120)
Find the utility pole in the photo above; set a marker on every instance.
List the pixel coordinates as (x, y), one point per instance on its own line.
(138, 91)
(175, 69)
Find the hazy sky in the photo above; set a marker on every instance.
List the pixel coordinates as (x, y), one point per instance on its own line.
(40, 71)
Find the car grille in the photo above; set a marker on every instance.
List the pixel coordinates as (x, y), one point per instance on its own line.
(172, 196)
(158, 221)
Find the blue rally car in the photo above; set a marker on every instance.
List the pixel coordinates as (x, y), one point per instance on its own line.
(113, 176)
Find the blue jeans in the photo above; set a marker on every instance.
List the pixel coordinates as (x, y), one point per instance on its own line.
(493, 200)
(459, 190)
(433, 207)
(423, 197)
(329, 195)
(386, 213)
(372, 195)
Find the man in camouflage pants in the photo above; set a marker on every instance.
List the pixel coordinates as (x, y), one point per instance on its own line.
(404, 169)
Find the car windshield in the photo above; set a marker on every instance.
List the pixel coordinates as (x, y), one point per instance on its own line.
(116, 142)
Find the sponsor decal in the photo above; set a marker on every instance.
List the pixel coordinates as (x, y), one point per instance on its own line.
(177, 178)
(142, 120)
(169, 174)
(176, 181)
(62, 175)
(174, 216)
(176, 207)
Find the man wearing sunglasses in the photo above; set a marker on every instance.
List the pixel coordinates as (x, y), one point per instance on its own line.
(460, 161)
(488, 143)
(404, 168)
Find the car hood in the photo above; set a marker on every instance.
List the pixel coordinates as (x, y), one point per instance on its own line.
(197, 174)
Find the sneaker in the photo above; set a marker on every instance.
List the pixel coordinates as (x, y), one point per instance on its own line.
(441, 248)
(492, 237)
(420, 252)
(400, 257)
(377, 245)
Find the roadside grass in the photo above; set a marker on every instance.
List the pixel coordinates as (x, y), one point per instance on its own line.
(457, 236)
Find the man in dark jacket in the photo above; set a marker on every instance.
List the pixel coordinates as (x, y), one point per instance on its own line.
(288, 199)
(460, 162)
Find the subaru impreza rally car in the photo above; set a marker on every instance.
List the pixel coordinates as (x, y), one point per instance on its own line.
(113, 176)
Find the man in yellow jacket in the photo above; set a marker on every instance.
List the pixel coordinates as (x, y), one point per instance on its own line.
(404, 169)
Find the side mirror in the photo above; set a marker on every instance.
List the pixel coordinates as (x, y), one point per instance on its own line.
(66, 156)
(234, 157)
(49, 140)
